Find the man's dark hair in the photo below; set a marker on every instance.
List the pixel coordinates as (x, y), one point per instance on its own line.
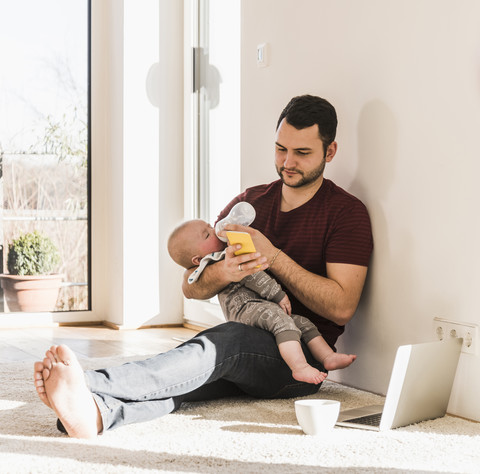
(307, 110)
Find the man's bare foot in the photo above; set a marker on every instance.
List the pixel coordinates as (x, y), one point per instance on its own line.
(308, 374)
(64, 390)
(338, 361)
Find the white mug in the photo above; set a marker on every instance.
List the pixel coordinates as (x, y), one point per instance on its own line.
(317, 416)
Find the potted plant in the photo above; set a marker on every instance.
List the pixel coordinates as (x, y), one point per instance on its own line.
(30, 285)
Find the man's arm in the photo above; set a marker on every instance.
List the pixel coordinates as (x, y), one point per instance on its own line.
(217, 276)
(335, 298)
(210, 283)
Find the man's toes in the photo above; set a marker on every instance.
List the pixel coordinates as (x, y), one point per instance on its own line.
(38, 377)
(47, 364)
(53, 350)
(45, 374)
(39, 386)
(51, 356)
(38, 381)
(40, 374)
(65, 354)
(37, 369)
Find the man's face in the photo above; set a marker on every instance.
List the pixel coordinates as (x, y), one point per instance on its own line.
(299, 155)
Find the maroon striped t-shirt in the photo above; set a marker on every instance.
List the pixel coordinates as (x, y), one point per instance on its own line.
(333, 227)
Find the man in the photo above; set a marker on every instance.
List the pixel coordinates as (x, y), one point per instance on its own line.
(310, 234)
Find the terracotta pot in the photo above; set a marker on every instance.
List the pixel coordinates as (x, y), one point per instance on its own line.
(31, 293)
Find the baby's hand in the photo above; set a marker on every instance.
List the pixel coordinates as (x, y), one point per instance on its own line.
(285, 305)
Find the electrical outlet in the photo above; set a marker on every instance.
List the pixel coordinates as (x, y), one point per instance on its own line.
(445, 328)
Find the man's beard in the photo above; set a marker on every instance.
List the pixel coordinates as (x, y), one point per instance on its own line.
(311, 177)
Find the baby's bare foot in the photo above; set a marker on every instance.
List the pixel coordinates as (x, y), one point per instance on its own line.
(338, 361)
(308, 374)
(65, 391)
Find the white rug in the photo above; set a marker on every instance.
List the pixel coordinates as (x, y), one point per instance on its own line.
(228, 436)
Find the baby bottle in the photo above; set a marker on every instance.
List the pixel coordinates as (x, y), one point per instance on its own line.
(242, 213)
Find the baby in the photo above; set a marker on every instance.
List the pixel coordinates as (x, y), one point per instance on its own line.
(257, 300)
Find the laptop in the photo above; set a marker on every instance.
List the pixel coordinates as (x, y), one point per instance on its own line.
(419, 388)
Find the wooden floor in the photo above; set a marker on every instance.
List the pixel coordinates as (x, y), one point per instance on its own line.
(18, 345)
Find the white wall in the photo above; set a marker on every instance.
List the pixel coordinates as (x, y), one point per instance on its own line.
(405, 80)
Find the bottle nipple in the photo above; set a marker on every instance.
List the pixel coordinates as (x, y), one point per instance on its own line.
(243, 213)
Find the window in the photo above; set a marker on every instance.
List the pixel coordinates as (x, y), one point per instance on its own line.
(44, 137)
(214, 172)
(217, 94)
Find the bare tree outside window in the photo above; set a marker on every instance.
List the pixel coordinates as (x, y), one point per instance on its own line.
(44, 134)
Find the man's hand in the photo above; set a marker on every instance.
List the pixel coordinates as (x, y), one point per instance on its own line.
(217, 276)
(237, 267)
(262, 244)
(285, 304)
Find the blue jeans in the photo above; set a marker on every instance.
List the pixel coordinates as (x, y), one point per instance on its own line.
(229, 359)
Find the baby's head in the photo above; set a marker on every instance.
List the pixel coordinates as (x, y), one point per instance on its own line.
(191, 241)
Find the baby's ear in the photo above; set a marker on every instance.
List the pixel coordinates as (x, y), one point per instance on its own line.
(196, 260)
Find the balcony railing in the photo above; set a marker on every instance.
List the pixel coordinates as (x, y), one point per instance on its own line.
(39, 192)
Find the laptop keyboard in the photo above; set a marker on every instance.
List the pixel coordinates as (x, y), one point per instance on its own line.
(372, 420)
